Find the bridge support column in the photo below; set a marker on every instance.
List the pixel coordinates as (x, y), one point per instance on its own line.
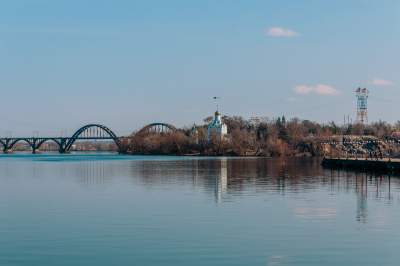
(33, 145)
(6, 146)
(62, 146)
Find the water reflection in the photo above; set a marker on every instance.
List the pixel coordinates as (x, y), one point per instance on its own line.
(362, 194)
(235, 176)
(221, 180)
(224, 179)
(230, 178)
(127, 210)
(93, 172)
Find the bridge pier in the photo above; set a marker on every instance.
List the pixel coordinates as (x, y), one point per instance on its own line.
(5, 142)
(62, 146)
(33, 145)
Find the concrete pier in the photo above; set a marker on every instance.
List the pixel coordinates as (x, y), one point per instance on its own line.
(379, 165)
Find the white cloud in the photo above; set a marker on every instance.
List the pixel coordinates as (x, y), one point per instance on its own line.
(382, 82)
(320, 89)
(281, 32)
(325, 90)
(303, 89)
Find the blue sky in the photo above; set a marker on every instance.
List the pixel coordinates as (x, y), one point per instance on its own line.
(128, 63)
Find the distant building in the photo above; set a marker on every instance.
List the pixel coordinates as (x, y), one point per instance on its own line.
(217, 128)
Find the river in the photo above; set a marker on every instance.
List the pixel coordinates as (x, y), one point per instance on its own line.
(106, 209)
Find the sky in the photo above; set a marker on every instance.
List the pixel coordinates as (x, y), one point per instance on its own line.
(127, 63)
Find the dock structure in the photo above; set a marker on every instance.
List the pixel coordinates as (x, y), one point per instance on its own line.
(388, 165)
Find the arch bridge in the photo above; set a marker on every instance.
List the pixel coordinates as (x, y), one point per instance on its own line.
(157, 128)
(87, 132)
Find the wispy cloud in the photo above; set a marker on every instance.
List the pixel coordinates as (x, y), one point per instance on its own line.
(382, 82)
(281, 32)
(320, 89)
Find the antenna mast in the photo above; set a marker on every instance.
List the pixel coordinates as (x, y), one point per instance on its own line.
(362, 105)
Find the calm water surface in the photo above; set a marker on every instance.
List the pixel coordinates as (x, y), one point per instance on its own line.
(122, 210)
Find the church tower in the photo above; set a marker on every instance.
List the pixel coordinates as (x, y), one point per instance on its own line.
(217, 128)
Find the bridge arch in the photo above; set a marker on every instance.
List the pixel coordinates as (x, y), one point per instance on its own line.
(157, 127)
(43, 141)
(100, 130)
(12, 144)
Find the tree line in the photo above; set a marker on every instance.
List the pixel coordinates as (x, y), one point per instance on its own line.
(246, 137)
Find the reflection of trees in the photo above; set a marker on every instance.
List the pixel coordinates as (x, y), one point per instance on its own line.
(233, 177)
(224, 179)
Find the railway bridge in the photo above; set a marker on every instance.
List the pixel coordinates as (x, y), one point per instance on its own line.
(87, 132)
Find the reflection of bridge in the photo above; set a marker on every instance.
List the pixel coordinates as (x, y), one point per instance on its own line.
(87, 132)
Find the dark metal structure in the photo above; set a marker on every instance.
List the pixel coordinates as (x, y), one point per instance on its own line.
(87, 132)
(157, 128)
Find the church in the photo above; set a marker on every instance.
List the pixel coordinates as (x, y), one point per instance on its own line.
(217, 128)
